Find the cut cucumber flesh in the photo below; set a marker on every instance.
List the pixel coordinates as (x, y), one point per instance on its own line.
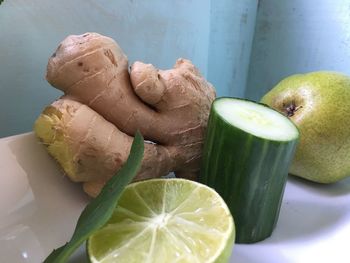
(257, 119)
(247, 153)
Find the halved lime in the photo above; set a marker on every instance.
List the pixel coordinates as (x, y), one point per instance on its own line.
(165, 220)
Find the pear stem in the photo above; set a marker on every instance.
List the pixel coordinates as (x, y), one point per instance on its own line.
(291, 109)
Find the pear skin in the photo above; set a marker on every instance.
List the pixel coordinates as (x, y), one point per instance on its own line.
(319, 104)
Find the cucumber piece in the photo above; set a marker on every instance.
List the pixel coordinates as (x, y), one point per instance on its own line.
(247, 153)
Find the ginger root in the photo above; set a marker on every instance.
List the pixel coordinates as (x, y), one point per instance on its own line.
(89, 130)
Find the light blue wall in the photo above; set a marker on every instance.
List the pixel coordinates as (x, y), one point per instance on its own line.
(296, 36)
(218, 36)
(231, 38)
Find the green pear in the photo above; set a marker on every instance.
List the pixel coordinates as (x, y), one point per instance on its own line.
(319, 104)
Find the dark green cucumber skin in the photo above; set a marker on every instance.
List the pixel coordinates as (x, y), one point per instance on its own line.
(250, 174)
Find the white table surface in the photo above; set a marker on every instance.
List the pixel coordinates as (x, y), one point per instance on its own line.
(39, 207)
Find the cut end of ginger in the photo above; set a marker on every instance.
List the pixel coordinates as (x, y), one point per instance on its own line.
(49, 129)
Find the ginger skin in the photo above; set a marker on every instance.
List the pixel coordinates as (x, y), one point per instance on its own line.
(104, 105)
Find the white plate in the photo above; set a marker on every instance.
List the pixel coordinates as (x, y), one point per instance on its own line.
(39, 207)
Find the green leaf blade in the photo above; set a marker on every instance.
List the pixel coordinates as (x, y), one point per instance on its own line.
(100, 209)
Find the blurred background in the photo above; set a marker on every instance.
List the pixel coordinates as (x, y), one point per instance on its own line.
(244, 47)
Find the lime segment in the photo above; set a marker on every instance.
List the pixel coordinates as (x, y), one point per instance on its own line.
(165, 220)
